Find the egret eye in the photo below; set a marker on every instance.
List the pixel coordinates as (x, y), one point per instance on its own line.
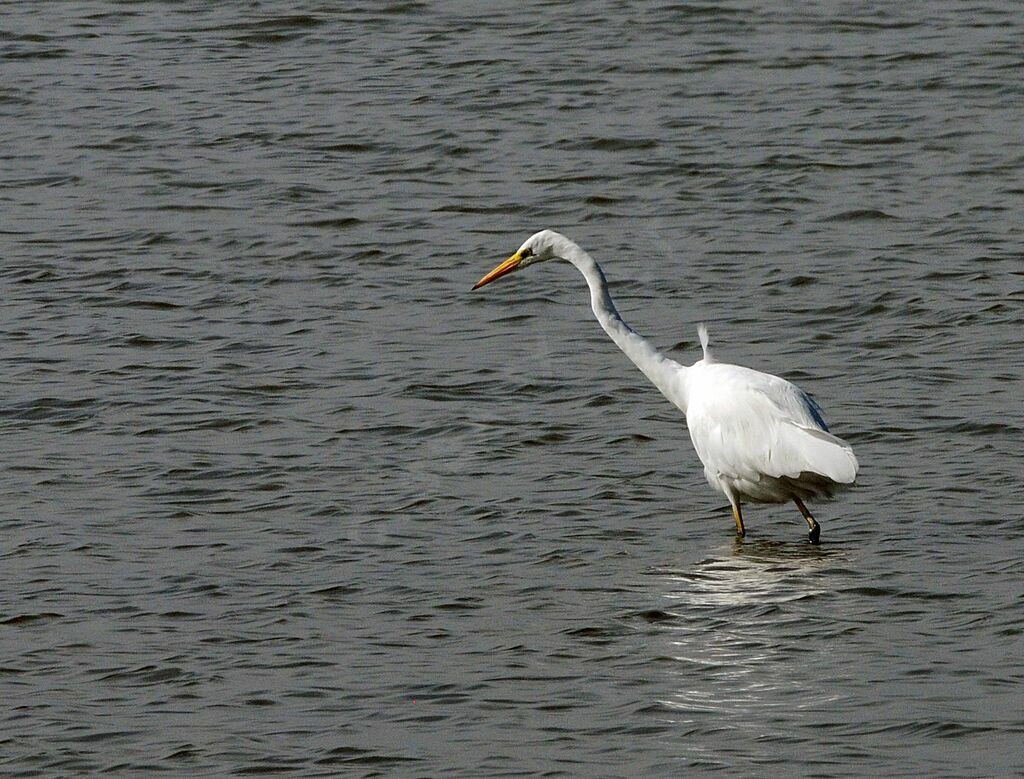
(527, 252)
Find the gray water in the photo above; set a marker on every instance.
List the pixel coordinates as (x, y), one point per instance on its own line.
(281, 495)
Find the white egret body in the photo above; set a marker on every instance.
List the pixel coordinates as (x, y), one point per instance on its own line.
(761, 439)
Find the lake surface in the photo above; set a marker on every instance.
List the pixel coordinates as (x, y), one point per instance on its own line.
(280, 495)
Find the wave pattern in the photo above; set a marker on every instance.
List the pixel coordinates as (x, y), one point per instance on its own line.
(281, 496)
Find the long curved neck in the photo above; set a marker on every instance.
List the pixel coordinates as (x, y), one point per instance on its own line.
(666, 374)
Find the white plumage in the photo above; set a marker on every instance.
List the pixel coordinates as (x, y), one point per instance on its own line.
(761, 438)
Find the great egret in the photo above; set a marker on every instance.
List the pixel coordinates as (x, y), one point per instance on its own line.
(761, 439)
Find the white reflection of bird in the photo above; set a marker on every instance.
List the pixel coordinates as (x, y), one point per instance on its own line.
(761, 439)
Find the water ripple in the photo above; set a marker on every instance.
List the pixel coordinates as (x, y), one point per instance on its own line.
(282, 495)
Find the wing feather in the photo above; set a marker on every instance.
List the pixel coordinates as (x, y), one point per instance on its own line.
(746, 424)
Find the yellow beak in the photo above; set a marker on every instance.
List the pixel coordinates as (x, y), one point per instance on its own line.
(506, 267)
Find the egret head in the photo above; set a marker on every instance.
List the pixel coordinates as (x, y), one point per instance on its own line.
(537, 248)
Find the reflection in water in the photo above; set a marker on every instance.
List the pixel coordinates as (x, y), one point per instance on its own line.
(761, 573)
(751, 638)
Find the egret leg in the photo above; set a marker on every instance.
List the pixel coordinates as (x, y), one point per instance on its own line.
(815, 528)
(738, 516)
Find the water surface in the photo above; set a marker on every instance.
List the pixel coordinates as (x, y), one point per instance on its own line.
(281, 495)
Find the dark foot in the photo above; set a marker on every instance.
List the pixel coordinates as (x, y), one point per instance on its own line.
(813, 533)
